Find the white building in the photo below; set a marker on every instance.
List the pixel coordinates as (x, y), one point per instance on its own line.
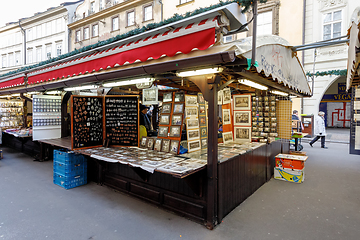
(40, 37)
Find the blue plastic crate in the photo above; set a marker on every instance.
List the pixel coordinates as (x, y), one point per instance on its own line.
(68, 182)
(70, 169)
(67, 157)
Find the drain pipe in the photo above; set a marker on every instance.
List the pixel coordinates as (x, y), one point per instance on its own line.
(24, 32)
(303, 52)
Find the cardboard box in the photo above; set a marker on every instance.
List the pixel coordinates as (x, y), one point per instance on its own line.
(287, 161)
(296, 176)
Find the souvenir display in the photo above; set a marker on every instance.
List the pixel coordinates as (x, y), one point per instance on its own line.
(179, 97)
(226, 96)
(150, 96)
(228, 137)
(242, 102)
(226, 116)
(175, 131)
(242, 118)
(178, 108)
(157, 145)
(168, 97)
(166, 108)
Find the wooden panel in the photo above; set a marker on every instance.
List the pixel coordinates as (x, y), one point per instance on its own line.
(283, 113)
(184, 206)
(144, 192)
(116, 183)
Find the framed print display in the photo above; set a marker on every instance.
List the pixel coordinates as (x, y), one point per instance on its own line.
(220, 97)
(202, 110)
(228, 137)
(163, 131)
(242, 118)
(166, 108)
(203, 132)
(201, 99)
(191, 112)
(191, 100)
(165, 119)
(192, 123)
(202, 120)
(178, 108)
(193, 134)
(226, 96)
(165, 146)
(194, 145)
(174, 146)
(204, 143)
(242, 102)
(179, 97)
(226, 116)
(150, 143)
(243, 134)
(150, 96)
(174, 131)
(167, 97)
(176, 120)
(157, 145)
(143, 142)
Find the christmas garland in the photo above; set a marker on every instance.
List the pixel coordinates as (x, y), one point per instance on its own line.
(245, 4)
(331, 72)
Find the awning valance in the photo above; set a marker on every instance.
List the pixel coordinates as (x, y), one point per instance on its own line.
(13, 82)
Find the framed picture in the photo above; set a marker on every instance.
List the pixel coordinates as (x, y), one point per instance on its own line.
(178, 108)
(204, 143)
(194, 146)
(226, 116)
(157, 145)
(272, 98)
(150, 96)
(191, 100)
(228, 137)
(243, 134)
(143, 142)
(201, 99)
(167, 97)
(176, 120)
(266, 98)
(220, 97)
(202, 120)
(165, 145)
(191, 112)
(192, 123)
(174, 131)
(242, 102)
(165, 119)
(163, 131)
(150, 143)
(193, 134)
(179, 97)
(226, 96)
(242, 118)
(166, 108)
(203, 132)
(174, 146)
(272, 109)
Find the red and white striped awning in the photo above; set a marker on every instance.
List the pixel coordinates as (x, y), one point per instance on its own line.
(199, 35)
(12, 82)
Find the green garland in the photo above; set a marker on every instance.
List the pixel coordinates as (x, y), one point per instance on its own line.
(243, 3)
(331, 72)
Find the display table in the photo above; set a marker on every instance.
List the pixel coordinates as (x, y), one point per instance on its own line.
(296, 136)
(22, 143)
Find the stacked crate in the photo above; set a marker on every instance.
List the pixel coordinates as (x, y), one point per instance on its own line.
(70, 169)
(290, 167)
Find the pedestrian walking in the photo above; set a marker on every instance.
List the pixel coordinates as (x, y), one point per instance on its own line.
(319, 130)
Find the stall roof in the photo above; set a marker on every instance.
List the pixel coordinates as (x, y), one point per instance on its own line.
(353, 67)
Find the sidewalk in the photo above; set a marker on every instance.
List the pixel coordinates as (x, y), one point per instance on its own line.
(325, 206)
(339, 135)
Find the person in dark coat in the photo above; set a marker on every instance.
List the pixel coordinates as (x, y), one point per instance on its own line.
(144, 118)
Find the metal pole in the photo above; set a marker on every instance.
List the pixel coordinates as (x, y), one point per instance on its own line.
(254, 33)
(313, 76)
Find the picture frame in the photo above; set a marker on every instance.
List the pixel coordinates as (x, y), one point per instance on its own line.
(143, 142)
(203, 132)
(167, 97)
(150, 143)
(194, 146)
(174, 146)
(163, 131)
(178, 108)
(192, 123)
(191, 100)
(165, 119)
(191, 112)
(202, 121)
(179, 97)
(272, 98)
(226, 96)
(204, 143)
(193, 134)
(176, 120)
(242, 134)
(157, 145)
(165, 145)
(202, 110)
(227, 137)
(201, 98)
(175, 131)
(242, 118)
(150, 96)
(226, 116)
(166, 108)
(220, 97)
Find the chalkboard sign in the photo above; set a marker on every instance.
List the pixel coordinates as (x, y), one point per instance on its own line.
(87, 122)
(122, 120)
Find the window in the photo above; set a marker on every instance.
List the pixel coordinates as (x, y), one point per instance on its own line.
(59, 25)
(48, 28)
(148, 12)
(29, 34)
(30, 56)
(264, 23)
(77, 36)
(185, 1)
(38, 54)
(102, 4)
(11, 59)
(332, 25)
(58, 49)
(115, 23)
(86, 33)
(17, 58)
(92, 7)
(3, 59)
(38, 31)
(48, 51)
(95, 30)
(131, 18)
